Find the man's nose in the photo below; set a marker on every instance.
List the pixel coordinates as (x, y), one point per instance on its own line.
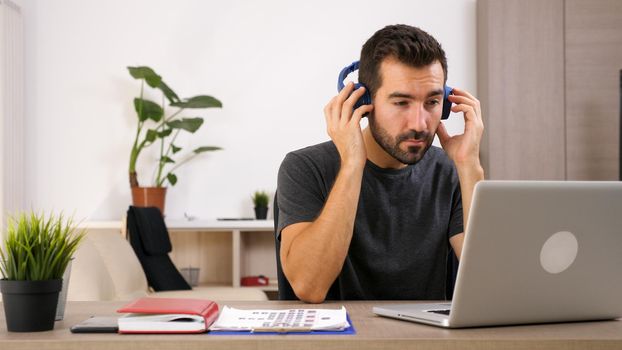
(417, 118)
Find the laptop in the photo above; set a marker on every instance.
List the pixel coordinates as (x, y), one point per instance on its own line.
(534, 252)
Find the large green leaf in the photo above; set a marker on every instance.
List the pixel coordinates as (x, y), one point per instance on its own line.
(172, 179)
(202, 101)
(188, 124)
(147, 74)
(150, 110)
(151, 135)
(164, 133)
(206, 149)
(168, 92)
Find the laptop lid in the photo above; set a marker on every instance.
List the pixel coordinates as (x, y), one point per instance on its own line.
(536, 252)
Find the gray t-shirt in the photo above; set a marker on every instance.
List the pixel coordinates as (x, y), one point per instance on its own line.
(403, 223)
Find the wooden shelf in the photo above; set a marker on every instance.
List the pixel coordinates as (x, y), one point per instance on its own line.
(248, 248)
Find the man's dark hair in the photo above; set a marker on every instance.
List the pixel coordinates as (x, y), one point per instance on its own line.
(409, 45)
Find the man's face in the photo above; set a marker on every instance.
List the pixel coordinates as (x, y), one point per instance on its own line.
(407, 109)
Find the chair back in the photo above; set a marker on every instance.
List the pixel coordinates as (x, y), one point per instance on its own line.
(150, 240)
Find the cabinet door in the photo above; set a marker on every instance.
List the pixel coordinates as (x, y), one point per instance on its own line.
(593, 64)
(521, 88)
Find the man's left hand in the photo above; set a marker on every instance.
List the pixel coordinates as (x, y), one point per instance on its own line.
(463, 149)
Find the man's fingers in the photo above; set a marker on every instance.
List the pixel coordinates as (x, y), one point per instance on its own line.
(332, 112)
(461, 96)
(462, 100)
(469, 111)
(339, 111)
(443, 135)
(460, 92)
(348, 105)
(330, 104)
(472, 124)
(344, 93)
(360, 112)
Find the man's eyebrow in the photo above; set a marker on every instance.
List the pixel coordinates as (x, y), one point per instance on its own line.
(436, 92)
(398, 94)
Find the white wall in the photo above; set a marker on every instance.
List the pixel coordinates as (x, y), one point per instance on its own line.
(273, 64)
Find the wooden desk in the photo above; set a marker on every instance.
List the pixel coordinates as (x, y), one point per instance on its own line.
(373, 332)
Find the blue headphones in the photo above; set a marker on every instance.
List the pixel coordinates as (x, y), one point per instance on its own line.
(366, 98)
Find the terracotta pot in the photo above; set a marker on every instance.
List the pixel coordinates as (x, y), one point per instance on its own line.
(149, 197)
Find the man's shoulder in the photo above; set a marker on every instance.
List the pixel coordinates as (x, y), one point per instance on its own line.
(437, 158)
(321, 153)
(313, 167)
(438, 155)
(327, 147)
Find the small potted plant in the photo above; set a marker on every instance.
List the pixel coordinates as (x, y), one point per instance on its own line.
(158, 125)
(261, 200)
(34, 256)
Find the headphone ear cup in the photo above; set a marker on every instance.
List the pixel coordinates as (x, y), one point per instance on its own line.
(363, 100)
(446, 103)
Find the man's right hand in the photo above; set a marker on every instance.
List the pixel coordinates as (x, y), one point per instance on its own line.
(343, 126)
(327, 239)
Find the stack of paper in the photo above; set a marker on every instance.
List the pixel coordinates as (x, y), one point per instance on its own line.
(288, 320)
(146, 323)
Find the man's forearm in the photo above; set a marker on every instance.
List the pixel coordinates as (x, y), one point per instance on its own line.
(469, 175)
(316, 254)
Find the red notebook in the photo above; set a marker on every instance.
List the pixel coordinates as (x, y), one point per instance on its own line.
(167, 315)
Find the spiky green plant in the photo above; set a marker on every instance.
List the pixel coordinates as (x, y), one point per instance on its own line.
(38, 248)
(260, 199)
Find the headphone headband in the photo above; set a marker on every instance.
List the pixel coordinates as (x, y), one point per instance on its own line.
(345, 72)
(366, 98)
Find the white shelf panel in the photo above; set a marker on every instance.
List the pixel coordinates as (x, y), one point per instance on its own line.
(218, 225)
(194, 225)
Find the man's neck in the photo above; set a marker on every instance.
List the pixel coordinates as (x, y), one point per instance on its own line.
(377, 155)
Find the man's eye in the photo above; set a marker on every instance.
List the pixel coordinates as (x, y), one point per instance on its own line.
(434, 102)
(401, 103)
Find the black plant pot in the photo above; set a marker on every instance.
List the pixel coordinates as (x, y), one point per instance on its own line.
(261, 213)
(30, 306)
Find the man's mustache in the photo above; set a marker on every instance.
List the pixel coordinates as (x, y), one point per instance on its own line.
(414, 135)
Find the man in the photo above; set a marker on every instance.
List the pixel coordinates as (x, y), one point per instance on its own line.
(371, 214)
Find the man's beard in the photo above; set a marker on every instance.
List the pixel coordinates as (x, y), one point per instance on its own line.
(391, 145)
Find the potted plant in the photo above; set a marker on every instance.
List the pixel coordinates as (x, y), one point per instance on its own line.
(34, 257)
(159, 125)
(261, 200)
